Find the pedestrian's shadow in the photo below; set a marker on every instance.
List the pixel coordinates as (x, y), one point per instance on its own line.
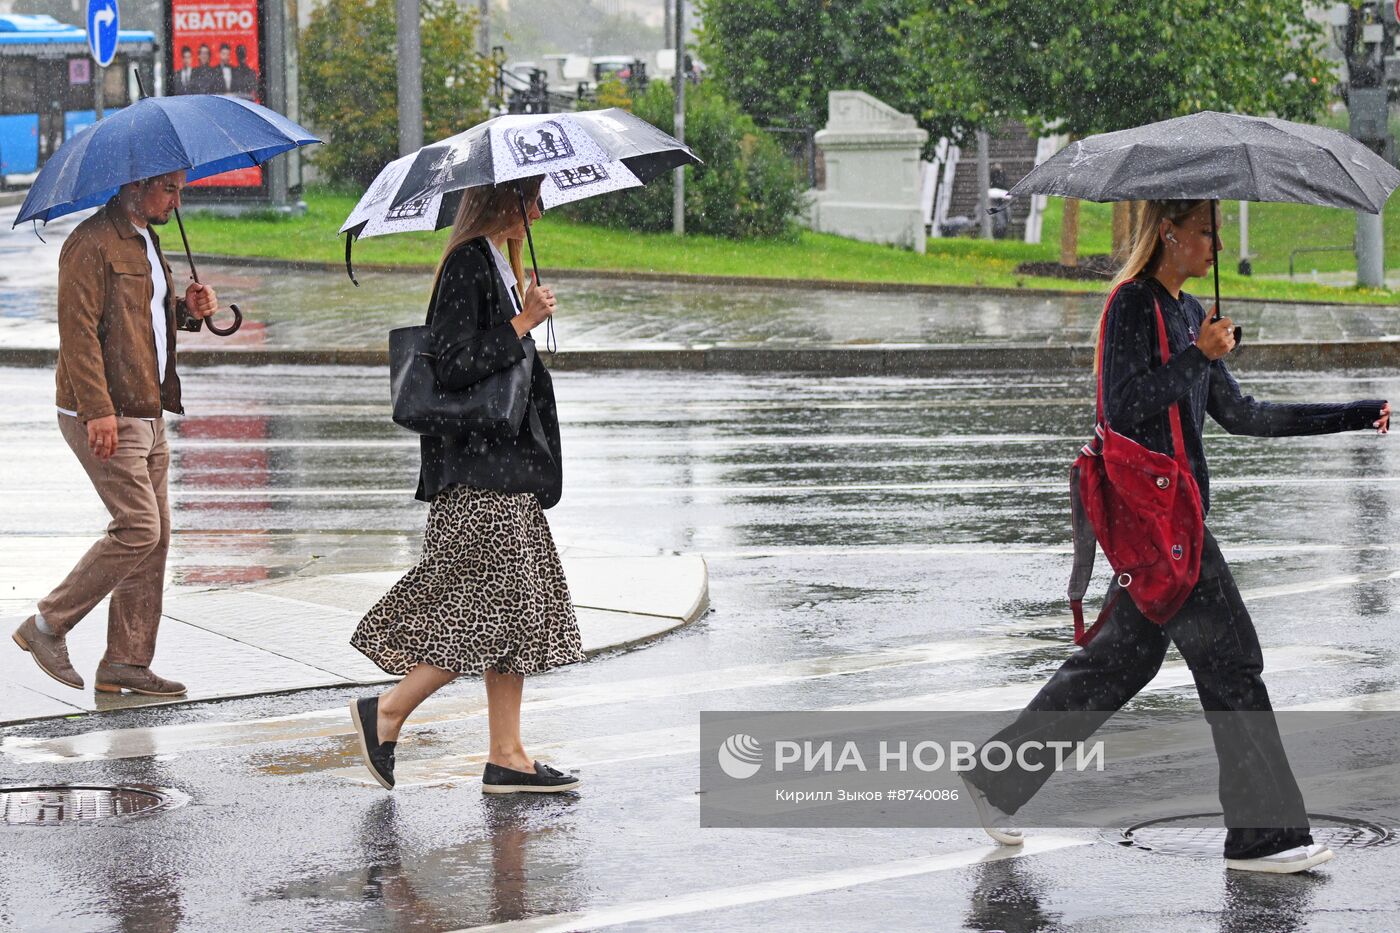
(1007, 899)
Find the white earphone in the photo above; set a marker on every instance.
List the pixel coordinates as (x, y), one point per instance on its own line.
(1171, 236)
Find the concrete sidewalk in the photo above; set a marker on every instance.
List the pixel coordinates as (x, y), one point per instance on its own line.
(293, 633)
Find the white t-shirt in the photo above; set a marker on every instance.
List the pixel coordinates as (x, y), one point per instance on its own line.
(157, 300)
(157, 310)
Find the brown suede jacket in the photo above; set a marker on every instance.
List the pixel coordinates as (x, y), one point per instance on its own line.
(106, 345)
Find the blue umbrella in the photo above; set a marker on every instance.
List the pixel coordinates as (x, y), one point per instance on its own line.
(204, 134)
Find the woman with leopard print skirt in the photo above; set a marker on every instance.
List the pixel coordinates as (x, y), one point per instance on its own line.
(488, 594)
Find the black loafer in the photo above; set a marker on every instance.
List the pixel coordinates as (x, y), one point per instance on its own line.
(543, 780)
(379, 756)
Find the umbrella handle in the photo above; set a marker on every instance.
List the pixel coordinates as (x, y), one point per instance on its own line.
(232, 328)
(550, 343)
(349, 268)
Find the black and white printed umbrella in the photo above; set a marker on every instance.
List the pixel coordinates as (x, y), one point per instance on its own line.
(576, 155)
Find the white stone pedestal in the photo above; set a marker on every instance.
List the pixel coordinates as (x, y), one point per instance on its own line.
(872, 173)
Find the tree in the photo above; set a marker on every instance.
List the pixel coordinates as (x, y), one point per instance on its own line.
(747, 186)
(350, 81)
(1093, 66)
(778, 59)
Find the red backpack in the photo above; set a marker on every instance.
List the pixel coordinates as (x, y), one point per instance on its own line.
(1142, 507)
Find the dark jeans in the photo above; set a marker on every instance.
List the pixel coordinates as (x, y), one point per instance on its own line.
(1216, 638)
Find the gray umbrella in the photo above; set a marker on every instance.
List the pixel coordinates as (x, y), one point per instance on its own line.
(1219, 156)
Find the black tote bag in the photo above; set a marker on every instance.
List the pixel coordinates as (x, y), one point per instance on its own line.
(493, 407)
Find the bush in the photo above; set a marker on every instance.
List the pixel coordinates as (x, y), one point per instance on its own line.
(349, 77)
(748, 187)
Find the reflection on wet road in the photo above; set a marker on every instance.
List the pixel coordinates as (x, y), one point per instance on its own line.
(872, 542)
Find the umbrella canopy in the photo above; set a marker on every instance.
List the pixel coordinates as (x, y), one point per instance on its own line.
(578, 155)
(204, 134)
(1218, 156)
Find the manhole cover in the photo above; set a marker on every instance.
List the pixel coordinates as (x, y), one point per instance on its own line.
(73, 803)
(1201, 835)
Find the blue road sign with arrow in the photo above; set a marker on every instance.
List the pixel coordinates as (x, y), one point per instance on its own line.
(103, 21)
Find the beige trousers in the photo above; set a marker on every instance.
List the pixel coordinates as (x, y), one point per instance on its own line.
(129, 561)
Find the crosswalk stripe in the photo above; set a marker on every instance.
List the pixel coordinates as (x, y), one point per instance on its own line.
(684, 740)
(114, 744)
(146, 741)
(731, 490)
(678, 905)
(156, 740)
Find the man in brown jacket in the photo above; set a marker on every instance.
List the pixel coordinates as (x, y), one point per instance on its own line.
(117, 315)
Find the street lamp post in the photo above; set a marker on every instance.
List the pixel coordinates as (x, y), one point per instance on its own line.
(1367, 37)
(410, 70)
(483, 27)
(678, 200)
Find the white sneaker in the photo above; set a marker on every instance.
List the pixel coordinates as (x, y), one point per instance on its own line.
(1298, 858)
(995, 823)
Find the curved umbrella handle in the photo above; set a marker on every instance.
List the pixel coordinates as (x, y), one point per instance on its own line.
(232, 328)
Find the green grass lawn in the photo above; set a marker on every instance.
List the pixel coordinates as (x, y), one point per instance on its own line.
(564, 244)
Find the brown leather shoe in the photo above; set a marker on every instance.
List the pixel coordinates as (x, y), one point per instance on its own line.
(50, 652)
(114, 678)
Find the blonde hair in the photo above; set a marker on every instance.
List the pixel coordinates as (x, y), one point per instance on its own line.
(1146, 249)
(1145, 252)
(485, 211)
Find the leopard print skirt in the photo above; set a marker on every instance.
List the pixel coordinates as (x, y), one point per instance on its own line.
(488, 592)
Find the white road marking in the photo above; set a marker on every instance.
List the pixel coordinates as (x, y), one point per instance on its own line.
(1235, 554)
(162, 740)
(679, 905)
(800, 489)
(157, 740)
(113, 744)
(592, 751)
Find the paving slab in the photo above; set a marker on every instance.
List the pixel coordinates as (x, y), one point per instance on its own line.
(211, 665)
(294, 633)
(18, 703)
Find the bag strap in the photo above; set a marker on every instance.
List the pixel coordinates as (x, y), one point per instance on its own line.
(1081, 529)
(1173, 413)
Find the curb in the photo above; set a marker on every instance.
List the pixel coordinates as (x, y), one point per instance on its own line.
(744, 281)
(833, 361)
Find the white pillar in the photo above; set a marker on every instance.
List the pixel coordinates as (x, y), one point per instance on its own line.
(984, 181)
(1370, 251)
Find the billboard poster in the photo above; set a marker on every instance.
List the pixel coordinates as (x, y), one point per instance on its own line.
(215, 49)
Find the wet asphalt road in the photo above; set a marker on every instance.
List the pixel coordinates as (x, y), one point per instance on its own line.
(840, 518)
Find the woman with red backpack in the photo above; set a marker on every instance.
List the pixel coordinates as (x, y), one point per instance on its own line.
(1155, 399)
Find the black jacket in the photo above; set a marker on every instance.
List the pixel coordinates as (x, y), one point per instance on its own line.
(473, 338)
(1138, 388)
